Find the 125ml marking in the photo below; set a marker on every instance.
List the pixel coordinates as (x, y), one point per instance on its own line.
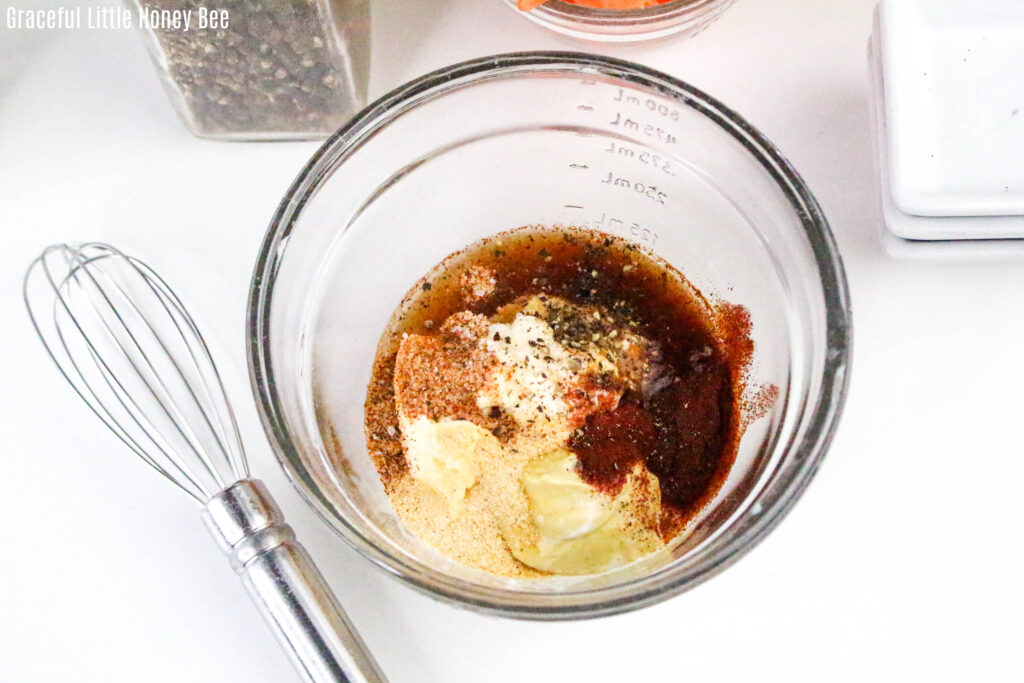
(623, 227)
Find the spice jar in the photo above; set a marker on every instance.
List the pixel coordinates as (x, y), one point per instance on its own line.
(259, 69)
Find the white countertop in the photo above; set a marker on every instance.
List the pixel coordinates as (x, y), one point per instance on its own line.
(903, 561)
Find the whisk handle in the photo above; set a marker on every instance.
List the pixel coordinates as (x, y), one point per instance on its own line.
(286, 586)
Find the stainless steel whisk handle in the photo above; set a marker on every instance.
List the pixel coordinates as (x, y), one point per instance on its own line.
(286, 586)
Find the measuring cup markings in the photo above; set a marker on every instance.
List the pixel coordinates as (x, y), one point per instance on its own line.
(648, 103)
(626, 122)
(612, 178)
(649, 191)
(608, 223)
(617, 224)
(645, 158)
(622, 226)
(648, 129)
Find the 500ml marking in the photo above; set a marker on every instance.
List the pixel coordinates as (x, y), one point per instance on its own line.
(646, 158)
(648, 129)
(649, 191)
(623, 227)
(649, 103)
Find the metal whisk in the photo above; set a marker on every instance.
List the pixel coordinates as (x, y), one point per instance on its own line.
(128, 347)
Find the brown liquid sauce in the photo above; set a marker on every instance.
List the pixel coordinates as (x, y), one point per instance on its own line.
(686, 432)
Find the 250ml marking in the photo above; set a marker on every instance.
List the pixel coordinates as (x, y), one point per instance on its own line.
(646, 158)
(649, 191)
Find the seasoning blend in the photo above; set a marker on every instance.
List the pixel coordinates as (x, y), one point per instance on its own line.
(260, 70)
(557, 401)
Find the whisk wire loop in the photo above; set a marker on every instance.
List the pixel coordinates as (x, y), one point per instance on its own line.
(230, 443)
(126, 344)
(156, 388)
(62, 309)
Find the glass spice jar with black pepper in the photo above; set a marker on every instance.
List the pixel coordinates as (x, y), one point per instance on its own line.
(260, 69)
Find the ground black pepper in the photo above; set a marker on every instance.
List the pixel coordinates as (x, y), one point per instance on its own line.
(282, 68)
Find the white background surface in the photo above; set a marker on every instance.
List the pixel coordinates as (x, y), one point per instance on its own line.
(903, 561)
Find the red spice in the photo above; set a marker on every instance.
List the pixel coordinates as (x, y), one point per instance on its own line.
(611, 443)
(757, 401)
(693, 419)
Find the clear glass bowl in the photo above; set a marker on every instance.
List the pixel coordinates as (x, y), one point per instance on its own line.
(679, 18)
(543, 138)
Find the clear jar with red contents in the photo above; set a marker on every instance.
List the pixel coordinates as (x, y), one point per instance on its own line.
(677, 18)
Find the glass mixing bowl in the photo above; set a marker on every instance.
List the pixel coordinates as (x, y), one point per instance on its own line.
(679, 18)
(543, 138)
